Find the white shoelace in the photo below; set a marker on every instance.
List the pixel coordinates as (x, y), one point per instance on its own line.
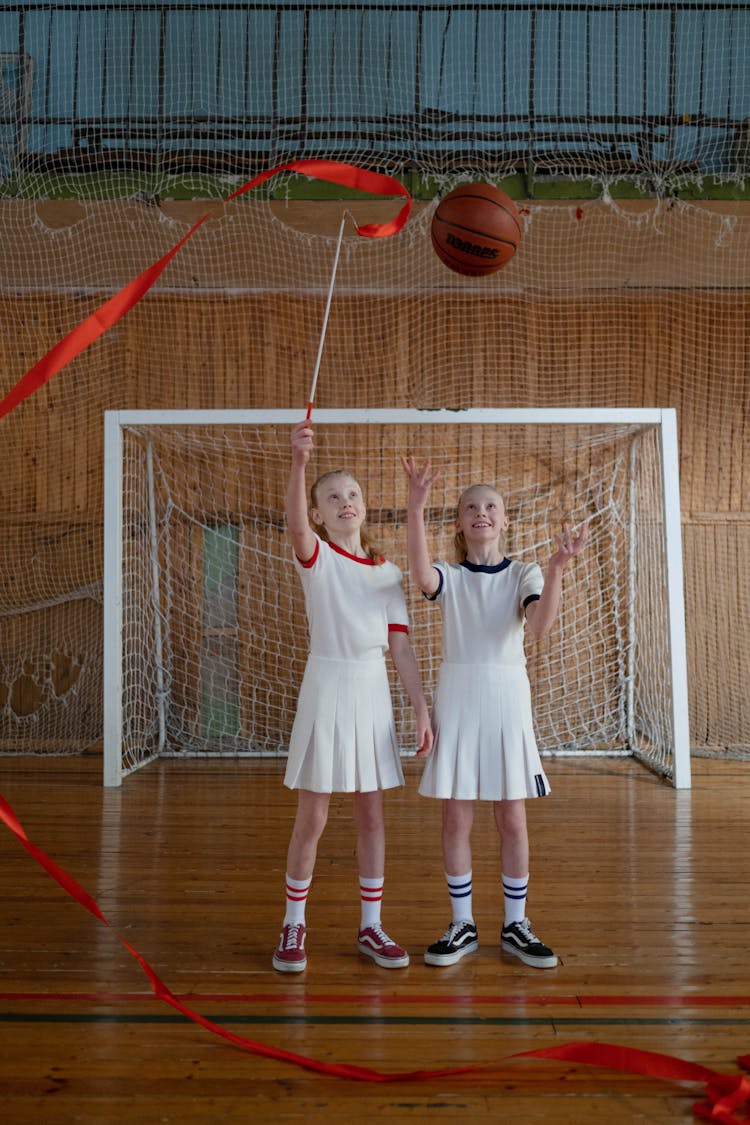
(525, 927)
(381, 934)
(292, 935)
(452, 930)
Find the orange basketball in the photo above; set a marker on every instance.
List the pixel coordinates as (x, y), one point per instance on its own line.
(476, 229)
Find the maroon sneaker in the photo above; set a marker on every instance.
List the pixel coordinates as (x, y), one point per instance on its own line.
(290, 957)
(374, 942)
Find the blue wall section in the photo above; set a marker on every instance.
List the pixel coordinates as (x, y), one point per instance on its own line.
(654, 84)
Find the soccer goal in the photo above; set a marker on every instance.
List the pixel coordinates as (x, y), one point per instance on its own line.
(205, 636)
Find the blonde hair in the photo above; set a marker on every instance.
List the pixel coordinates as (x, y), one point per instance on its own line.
(459, 541)
(371, 550)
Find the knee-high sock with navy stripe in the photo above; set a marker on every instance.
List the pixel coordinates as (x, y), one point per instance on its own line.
(514, 894)
(460, 890)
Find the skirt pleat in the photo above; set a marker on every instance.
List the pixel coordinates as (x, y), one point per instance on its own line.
(485, 747)
(344, 738)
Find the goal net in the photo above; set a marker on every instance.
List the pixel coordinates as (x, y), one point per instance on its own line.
(205, 632)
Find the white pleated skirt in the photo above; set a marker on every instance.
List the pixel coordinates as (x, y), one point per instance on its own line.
(344, 736)
(485, 746)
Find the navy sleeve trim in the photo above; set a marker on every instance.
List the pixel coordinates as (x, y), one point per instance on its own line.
(431, 597)
(531, 598)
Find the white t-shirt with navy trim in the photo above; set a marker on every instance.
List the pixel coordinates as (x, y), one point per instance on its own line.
(483, 610)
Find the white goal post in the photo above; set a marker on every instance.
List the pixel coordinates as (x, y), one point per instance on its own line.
(204, 629)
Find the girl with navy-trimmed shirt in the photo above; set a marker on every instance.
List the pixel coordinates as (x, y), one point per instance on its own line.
(485, 747)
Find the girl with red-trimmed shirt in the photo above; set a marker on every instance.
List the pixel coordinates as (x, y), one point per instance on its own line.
(343, 739)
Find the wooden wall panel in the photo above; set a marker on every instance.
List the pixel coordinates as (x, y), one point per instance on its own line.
(179, 352)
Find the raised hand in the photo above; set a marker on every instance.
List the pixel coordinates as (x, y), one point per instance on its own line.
(420, 479)
(568, 544)
(302, 442)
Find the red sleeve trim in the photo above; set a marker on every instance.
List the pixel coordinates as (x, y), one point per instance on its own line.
(309, 562)
(398, 628)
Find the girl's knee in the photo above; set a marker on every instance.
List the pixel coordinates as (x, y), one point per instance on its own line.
(312, 817)
(458, 818)
(368, 811)
(510, 818)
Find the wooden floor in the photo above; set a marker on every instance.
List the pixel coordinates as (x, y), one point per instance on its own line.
(642, 891)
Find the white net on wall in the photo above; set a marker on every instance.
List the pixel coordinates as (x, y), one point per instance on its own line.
(215, 638)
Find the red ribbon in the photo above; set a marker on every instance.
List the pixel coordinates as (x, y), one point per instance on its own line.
(724, 1092)
(95, 325)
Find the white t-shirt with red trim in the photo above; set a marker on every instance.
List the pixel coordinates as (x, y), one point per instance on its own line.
(351, 603)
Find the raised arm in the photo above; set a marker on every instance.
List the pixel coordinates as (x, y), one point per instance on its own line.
(541, 614)
(420, 480)
(297, 522)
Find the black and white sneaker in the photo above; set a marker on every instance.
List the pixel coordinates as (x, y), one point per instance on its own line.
(518, 939)
(460, 938)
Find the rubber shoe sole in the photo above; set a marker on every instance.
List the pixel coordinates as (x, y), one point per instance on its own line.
(384, 962)
(289, 966)
(527, 958)
(443, 959)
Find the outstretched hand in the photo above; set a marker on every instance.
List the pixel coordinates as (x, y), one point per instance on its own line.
(568, 544)
(420, 478)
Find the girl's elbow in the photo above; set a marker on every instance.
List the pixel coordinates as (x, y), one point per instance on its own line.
(538, 626)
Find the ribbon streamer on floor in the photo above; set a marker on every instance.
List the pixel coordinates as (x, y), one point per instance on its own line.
(724, 1093)
(108, 314)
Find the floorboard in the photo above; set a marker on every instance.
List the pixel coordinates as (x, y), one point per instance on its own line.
(641, 890)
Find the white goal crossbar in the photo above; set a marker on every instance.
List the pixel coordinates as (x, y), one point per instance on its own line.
(156, 526)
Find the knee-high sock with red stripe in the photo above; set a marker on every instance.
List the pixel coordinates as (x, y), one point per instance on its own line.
(371, 897)
(297, 891)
